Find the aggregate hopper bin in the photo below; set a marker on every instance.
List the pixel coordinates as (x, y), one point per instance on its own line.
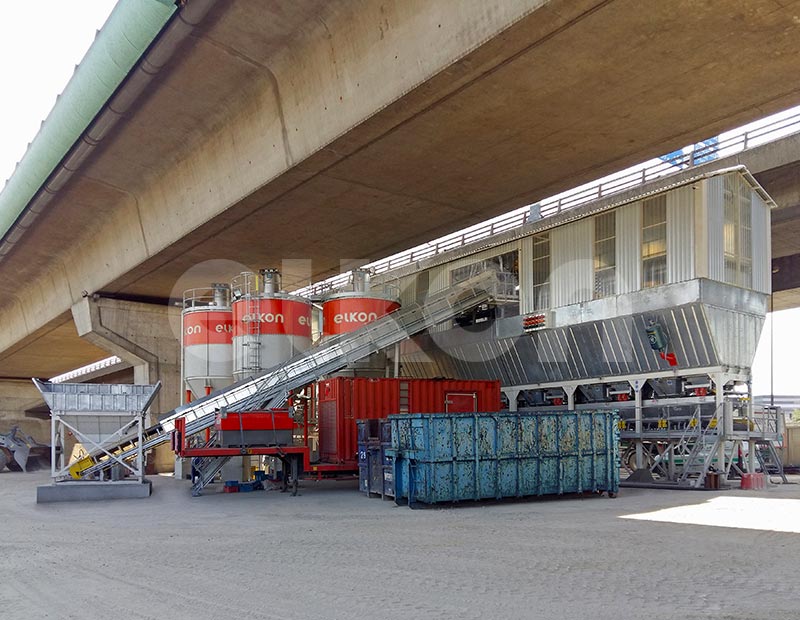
(102, 417)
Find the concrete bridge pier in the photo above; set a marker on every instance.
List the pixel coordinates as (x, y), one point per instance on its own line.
(143, 335)
(146, 337)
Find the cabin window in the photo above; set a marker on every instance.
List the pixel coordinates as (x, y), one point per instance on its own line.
(654, 241)
(605, 255)
(541, 271)
(738, 232)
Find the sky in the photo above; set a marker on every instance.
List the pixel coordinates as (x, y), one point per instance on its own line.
(40, 44)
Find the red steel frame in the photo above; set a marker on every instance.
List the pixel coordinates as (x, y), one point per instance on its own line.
(179, 446)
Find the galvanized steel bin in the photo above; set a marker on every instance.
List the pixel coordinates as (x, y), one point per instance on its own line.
(472, 456)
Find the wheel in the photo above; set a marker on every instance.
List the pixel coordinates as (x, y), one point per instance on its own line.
(611, 494)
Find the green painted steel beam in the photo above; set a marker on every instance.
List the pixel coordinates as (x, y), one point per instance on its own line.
(129, 30)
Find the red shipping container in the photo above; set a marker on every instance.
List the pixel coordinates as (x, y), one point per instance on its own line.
(343, 400)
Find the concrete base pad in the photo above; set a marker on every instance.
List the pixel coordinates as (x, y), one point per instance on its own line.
(89, 491)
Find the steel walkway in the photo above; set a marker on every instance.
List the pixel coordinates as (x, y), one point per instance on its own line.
(271, 389)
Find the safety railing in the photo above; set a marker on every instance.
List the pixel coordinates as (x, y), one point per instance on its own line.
(218, 295)
(671, 163)
(767, 423)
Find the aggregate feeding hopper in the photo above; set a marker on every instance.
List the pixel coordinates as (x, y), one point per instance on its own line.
(101, 417)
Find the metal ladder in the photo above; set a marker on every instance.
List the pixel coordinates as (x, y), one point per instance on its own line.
(253, 338)
(271, 388)
(769, 459)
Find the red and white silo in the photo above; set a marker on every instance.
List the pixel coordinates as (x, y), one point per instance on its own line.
(269, 326)
(346, 311)
(207, 340)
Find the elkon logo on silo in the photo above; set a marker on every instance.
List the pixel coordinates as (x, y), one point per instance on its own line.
(355, 317)
(220, 328)
(269, 317)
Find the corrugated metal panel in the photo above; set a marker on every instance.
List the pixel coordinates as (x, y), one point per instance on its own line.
(526, 304)
(407, 288)
(613, 347)
(629, 248)
(96, 397)
(572, 266)
(438, 279)
(715, 206)
(680, 234)
(735, 335)
(762, 246)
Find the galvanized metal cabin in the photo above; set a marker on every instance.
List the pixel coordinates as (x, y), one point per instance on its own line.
(652, 304)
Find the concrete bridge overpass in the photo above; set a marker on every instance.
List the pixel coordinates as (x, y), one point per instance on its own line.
(325, 131)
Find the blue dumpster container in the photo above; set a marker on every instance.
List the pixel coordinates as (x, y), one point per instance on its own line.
(370, 469)
(472, 456)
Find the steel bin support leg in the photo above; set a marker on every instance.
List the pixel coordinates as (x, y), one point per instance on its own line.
(637, 389)
(725, 418)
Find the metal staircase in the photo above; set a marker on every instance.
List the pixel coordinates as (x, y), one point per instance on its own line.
(271, 388)
(703, 451)
(769, 459)
(207, 467)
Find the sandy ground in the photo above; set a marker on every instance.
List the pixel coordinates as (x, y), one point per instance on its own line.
(332, 554)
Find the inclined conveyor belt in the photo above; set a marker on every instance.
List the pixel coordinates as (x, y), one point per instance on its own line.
(272, 388)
